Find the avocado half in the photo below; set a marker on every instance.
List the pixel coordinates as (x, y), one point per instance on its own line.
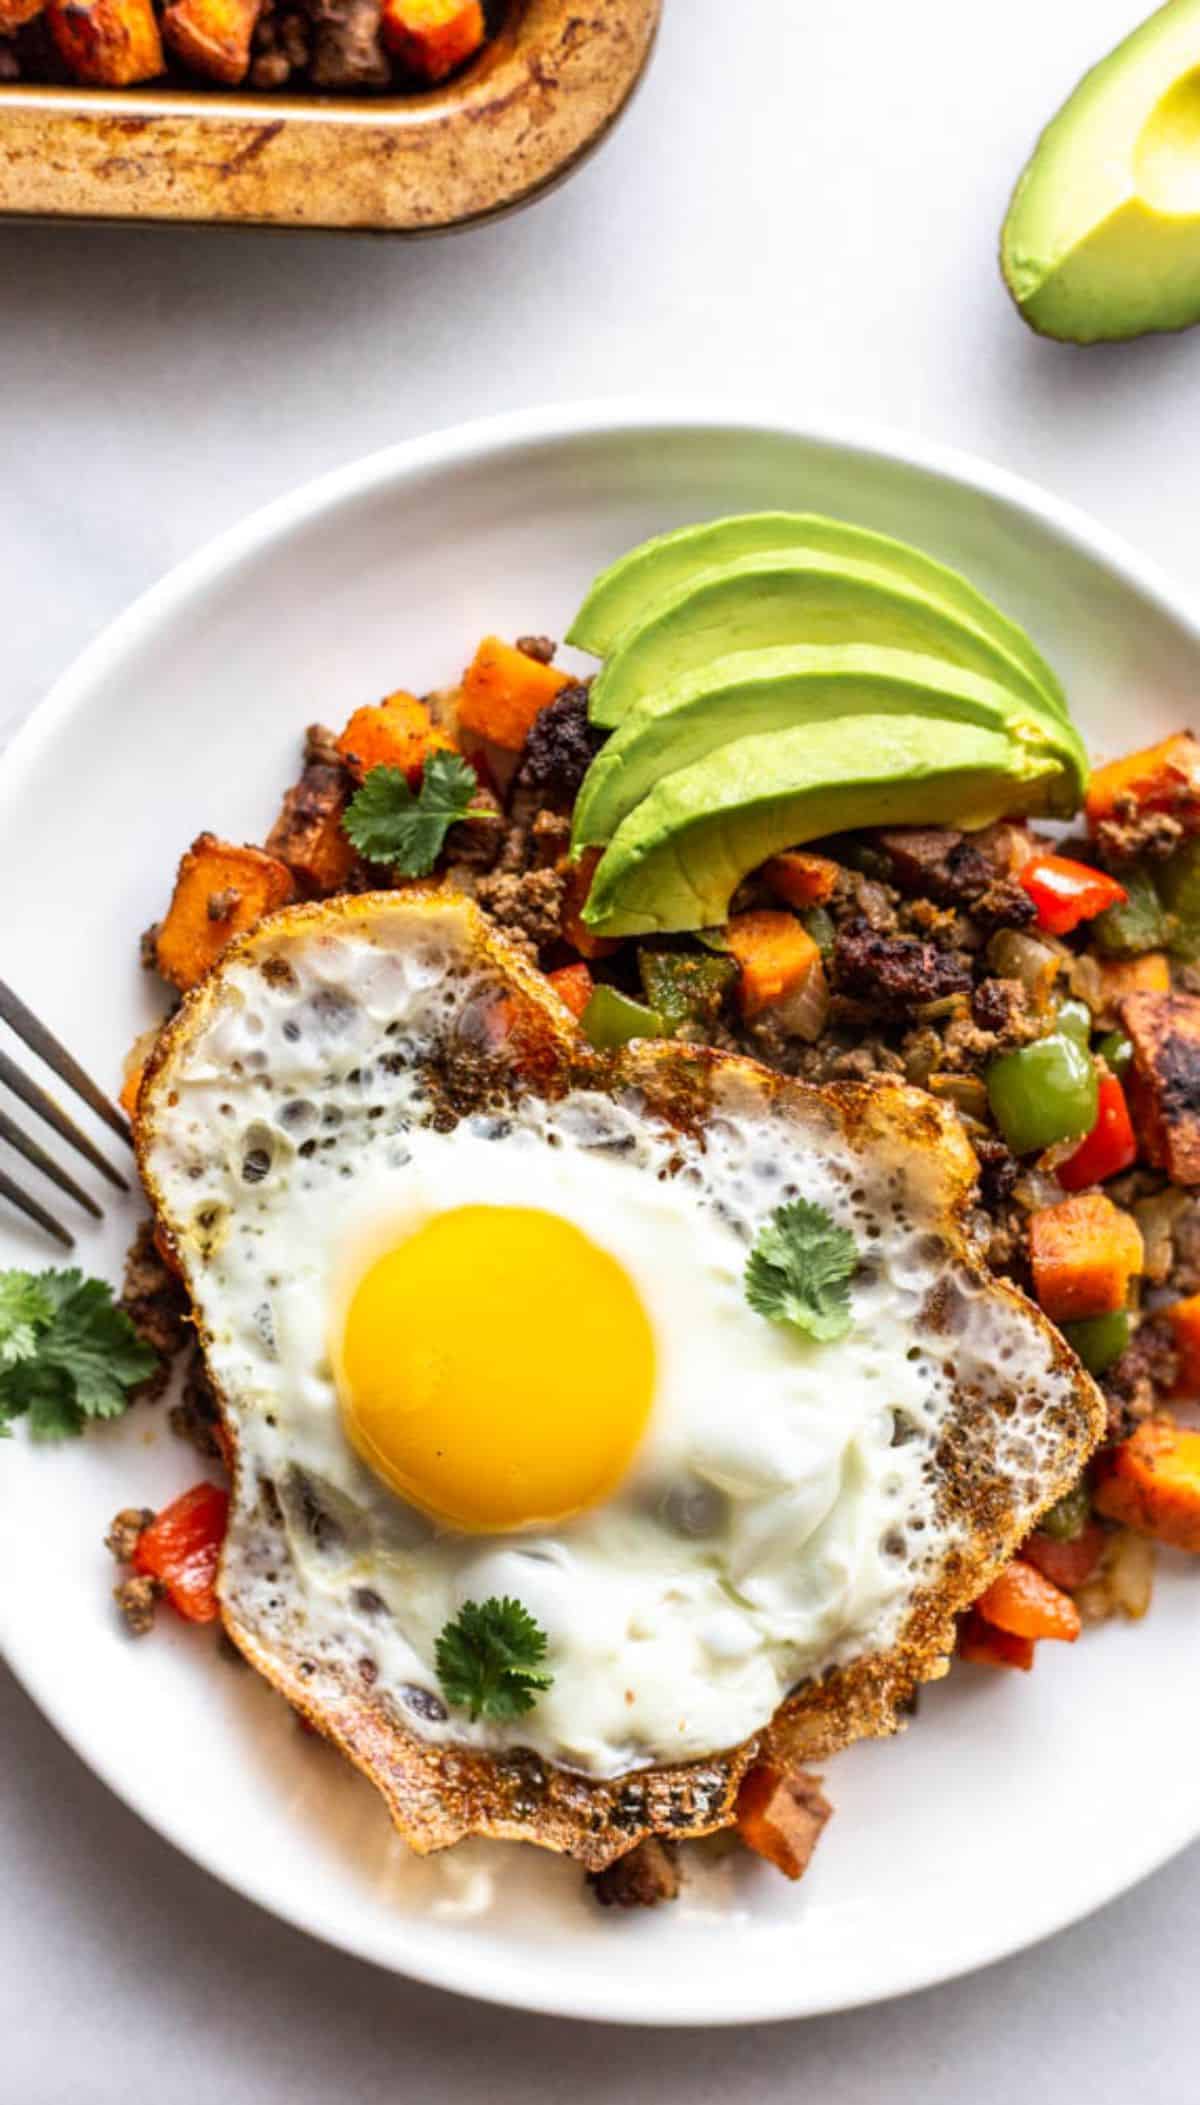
(1102, 238)
(623, 595)
(783, 596)
(753, 692)
(677, 859)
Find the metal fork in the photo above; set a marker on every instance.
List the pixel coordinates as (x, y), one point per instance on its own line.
(47, 1047)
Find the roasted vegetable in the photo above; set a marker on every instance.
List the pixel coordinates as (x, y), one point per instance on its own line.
(1151, 1482)
(1023, 1601)
(432, 37)
(776, 957)
(503, 691)
(220, 891)
(1066, 892)
(802, 879)
(1179, 886)
(213, 36)
(1184, 1319)
(1099, 1340)
(1138, 923)
(182, 1548)
(308, 834)
(611, 1018)
(15, 13)
(1116, 1051)
(1150, 974)
(685, 986)
(1164, 1081)
(982, 1644)
(1110, 1146)
(573, 986)
(397, 732)
(780, 1815)
(107, 43)
(1164, 777)
(578, 884)
(1066, 1563)
(1084, 1252)
(1044, 1093)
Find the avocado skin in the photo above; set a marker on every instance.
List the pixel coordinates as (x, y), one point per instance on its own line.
(753, 692)
(1100, 243)
(624, 594)
(676, 861)
(769, 601)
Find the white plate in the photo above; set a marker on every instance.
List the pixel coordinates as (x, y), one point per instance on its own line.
(1006, 1811)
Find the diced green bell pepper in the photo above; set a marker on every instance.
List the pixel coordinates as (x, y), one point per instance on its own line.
(1179, 885)
(1116, 1051)
(685, 986)
(1074, 1019)
(1043, 1093)
(1098, 1341)
(611, 1019)
(1140, 924)
(1066, 1520)
(820, 927)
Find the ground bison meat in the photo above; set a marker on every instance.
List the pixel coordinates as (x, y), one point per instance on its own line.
(1131, 835)
(540, 648)
(895, 972)
(560, 747)
(157, 1306)
(643, 1878)
(1141, 1379)
(348, 45)
(998, 1172)
(528, 907)
(122, 1537)
(1005, 904)
(999, 1006)
(137, 1599)
(935, 862)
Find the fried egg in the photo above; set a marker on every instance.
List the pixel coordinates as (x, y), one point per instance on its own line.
(473, 1301)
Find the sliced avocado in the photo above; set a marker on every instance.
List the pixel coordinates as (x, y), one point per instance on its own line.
(678, 858)
(772, 690)
(764, 602)
(1102, 237)
(625, 593)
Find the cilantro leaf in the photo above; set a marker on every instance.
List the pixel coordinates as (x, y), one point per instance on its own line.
(387, 823)
(26, 1307)
(488, 1659)
(67, 1352)
(799, 1271)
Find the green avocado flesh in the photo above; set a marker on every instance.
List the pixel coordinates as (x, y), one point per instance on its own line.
(764, 602)
(753, 692)
(677, 859)
(1102, 237)
(629, 590)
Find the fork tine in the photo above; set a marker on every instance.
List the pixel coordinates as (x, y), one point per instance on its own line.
(27, 1146)
(32, 1094)
(24, 1204)
(55, 1054)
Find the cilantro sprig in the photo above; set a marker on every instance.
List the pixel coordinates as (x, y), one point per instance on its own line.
(488, 1659)
(67, 1353)
(799, 1271)
(387, 822)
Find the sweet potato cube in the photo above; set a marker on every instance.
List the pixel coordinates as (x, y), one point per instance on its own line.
(1084, 1252)
(1025, 1603)
(1164, 1084)
(1119, 976)
(801, 879)
(14, 13)
(212, 36)
(107, 43)
(432, 37)
(220, 891)
(780, 1815)
(308, 834)
(1151, 1482)
(1163, 777)
(396, 732)
(774, 954)
(1184, 1319)
(503, 691)
(578, 884)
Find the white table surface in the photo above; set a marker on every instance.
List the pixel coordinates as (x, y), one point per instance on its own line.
(801, 209)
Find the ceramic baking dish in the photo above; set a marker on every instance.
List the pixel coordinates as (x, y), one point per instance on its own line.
(546, 90)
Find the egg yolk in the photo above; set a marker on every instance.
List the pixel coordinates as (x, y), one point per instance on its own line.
(497, 1368)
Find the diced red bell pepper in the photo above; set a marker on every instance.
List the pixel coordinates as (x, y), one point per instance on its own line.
(182, 1548)
(984, 1645)
(1066, 892)
(1110, 1147)
(573, 985)
(1066, 1564)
